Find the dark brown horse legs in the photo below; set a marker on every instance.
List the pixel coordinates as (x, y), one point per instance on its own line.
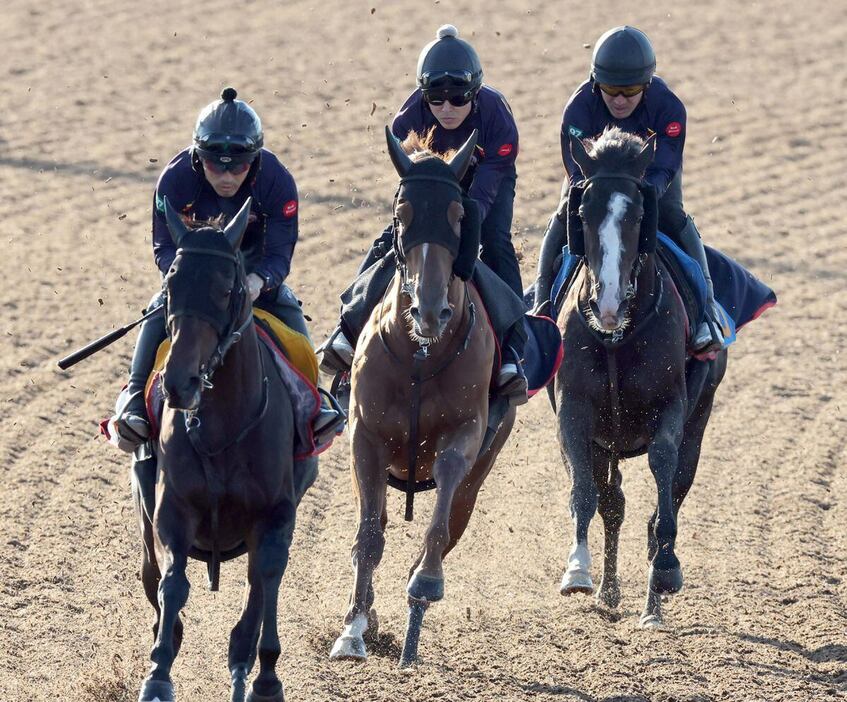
(245, 634)
(578, 456)
(688, 459)
(665, 574)
(272, 560)
(369, 461)
(611, 505)
(173, 594)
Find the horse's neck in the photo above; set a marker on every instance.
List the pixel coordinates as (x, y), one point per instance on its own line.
(395, 322)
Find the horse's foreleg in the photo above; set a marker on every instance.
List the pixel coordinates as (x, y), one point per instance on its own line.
(175, 532)
(575, 442)
(611, 504)
(665, 576)
(368, 466)
(245, 634)
(272, 559)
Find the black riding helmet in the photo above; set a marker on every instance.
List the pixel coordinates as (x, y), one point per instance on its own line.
(228, 131)
(623, 56)
(449, 65)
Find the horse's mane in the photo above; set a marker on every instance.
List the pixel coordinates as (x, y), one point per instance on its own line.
(420, 146)
(217, 223)
(614, 146)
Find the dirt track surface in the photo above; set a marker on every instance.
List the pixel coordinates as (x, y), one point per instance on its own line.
(99, 95)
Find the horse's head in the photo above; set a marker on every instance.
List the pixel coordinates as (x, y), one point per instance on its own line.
(207, 302)
(614, 229)
(429, 234)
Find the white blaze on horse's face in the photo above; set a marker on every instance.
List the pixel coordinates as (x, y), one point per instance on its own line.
(611, 247)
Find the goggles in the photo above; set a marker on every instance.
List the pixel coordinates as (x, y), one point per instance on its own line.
(437, 98)
(219, 168)
(625, 90)
(444, 79)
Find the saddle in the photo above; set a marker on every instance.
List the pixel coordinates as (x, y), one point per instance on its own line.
(297, 366)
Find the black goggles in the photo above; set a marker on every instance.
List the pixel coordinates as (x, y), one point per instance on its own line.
(456, 98)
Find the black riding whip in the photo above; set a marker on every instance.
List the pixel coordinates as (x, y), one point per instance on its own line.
(105, 341)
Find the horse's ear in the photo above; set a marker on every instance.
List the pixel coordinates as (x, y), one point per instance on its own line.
(462, 158)
(580, 155)
(234, 231)
(176, 226)
(399, 158)
(645, 157)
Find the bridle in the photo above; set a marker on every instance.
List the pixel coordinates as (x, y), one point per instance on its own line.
(231, 334)
(617, 335)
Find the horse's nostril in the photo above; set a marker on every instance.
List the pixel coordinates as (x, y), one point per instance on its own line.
(415, 312)
(445, 315)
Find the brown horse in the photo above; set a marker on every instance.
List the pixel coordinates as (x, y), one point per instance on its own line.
(227, 481)
(419, 394)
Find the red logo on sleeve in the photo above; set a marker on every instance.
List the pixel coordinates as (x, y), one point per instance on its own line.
(505, 150)
(289, 209)
(674, 129)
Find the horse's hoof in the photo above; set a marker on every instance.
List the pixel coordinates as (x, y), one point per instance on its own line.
(665, 582)
(156, 691)
(425, 587)
(349, 647)
(650, 622)
(350, 644)
(254, 696)
(576, 581)
(609, 593)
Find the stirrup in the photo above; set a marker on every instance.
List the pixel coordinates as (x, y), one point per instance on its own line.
(330, 420)
(336, 353)
(708, 337)
(512, 384)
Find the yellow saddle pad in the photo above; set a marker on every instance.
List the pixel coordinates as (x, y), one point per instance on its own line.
(296, 347)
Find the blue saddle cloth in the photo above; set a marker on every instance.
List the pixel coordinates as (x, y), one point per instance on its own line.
(742, 295)
(543, 351)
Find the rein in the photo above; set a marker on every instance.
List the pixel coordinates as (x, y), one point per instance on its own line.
(461, 342)
(232, 335)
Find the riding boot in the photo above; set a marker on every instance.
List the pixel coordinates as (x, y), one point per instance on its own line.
(130, 424)
(511, 380)
(552, 245)
(709, 335)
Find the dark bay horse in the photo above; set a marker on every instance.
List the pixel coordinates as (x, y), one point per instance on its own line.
(227, 481)
(419, 395)
(627, 386)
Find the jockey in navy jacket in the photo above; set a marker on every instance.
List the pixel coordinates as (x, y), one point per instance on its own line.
(272, 230)
(660, 112)
(212, 179)
(497, 141)
(623, 91)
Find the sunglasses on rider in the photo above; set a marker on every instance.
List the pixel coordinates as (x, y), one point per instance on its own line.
(437, 98)
(625, 90)
(218, 168)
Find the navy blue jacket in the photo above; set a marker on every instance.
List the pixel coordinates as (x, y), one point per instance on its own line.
(660, 112)
(271, 234)
(497, 143)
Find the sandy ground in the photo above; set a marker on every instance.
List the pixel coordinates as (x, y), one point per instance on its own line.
(99, 95)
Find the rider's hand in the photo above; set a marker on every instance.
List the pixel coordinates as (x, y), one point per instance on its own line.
(254, 286)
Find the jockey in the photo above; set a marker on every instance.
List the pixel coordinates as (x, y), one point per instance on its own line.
(623, 91)
(449, 103)
(225, 165)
